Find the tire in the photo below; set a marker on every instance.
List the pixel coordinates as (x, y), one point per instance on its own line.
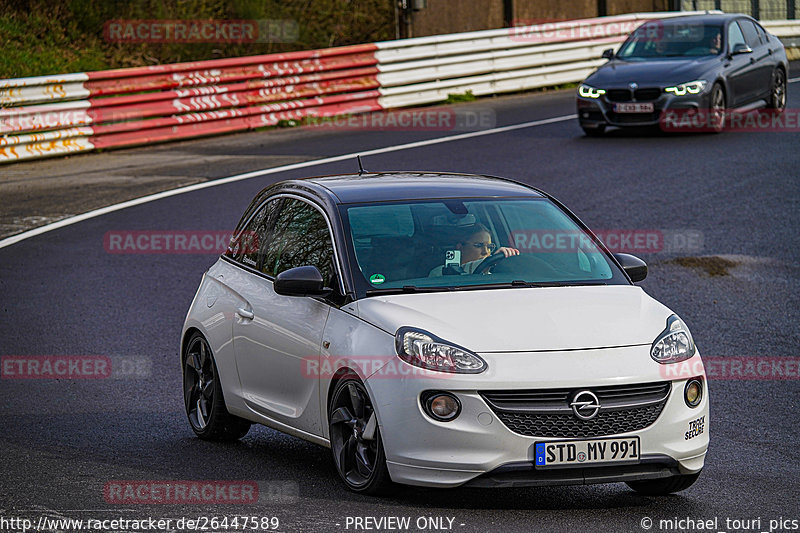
(356, 444)
(777, 93)
(597, 131)
(202, 395)
(716, 109)
(662, 487)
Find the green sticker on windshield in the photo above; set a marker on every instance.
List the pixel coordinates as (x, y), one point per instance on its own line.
(377, 279)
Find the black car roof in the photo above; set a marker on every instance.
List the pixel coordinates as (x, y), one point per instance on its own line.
(394, 186)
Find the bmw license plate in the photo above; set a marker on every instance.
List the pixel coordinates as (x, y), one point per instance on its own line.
(581, 452)
(634, 107)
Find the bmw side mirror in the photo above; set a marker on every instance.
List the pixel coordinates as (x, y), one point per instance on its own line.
(633, 266)
(608, 53)
(301, 281)
(741, 48)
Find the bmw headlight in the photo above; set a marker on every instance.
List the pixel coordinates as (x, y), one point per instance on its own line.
(674, 344)
(422, 349)
(692, 87)
(590, 92)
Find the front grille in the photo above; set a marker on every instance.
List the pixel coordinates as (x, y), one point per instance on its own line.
(546, 412)
(650, 93)
(618, 95)
(646, 94)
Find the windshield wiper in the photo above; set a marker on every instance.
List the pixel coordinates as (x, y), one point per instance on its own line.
(535, 284)
(407, 289)
(516, 284)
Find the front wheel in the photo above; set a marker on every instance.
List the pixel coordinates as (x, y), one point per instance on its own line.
(202, 395)
(716, 110)
(356, 439)
(777, 97)
(662, 487)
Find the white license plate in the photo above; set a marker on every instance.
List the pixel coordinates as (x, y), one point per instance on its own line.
(582, 452)
(634, 108)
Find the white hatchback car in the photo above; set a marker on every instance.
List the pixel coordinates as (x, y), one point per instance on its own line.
(443, 330)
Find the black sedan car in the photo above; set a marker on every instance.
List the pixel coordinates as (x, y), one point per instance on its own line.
(698, 63)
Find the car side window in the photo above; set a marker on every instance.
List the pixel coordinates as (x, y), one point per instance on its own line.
(735, 36)
(299, 237)
(762, 33)
(750, 33)
(247, 246)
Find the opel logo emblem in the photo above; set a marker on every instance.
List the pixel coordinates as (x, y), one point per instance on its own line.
(585, 405)
(633, 86)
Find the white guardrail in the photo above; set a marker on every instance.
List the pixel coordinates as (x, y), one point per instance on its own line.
(62, 114)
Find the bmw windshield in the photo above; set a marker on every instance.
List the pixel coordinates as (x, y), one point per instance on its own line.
(448, 244)
(658, 39)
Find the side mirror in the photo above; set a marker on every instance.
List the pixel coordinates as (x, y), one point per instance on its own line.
(633, 266)
(301, 281)
(741, 48)
(608, 53)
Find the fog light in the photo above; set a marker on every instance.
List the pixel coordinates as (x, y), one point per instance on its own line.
(693, 393)
(441, 406)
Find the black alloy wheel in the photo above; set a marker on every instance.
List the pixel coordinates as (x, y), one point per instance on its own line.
(202, 394)
(355, 438)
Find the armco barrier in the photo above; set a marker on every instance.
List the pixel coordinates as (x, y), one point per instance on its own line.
(63, 114)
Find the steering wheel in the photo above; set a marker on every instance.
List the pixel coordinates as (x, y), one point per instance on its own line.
(488, 263)
(540, 263)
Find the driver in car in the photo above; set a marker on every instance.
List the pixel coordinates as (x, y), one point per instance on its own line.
(475, 246)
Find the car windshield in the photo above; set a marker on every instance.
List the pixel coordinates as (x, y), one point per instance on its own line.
(461, 244)
(658, 39)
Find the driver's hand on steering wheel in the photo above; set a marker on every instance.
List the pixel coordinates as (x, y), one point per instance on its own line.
(508, 252)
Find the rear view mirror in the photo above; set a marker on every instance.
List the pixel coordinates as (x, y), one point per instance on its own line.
(633, 266)
(608, 53)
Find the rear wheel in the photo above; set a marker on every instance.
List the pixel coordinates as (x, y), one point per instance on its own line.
(356, 439)
(777, 98)
(202, 395)
(662, 487)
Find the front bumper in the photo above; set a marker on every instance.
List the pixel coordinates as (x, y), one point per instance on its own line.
(479, 449)
(596, 112)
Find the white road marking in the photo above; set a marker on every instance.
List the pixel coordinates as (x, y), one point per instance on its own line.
(8, 241)
(794, 80)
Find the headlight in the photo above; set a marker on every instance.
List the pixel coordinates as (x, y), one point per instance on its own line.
(590, 92)
(692, 87)
(424, 350)
(674, 344)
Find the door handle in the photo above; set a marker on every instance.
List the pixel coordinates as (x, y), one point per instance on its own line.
(244, 313)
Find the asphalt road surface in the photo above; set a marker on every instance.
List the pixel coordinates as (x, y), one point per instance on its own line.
(734, 196)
